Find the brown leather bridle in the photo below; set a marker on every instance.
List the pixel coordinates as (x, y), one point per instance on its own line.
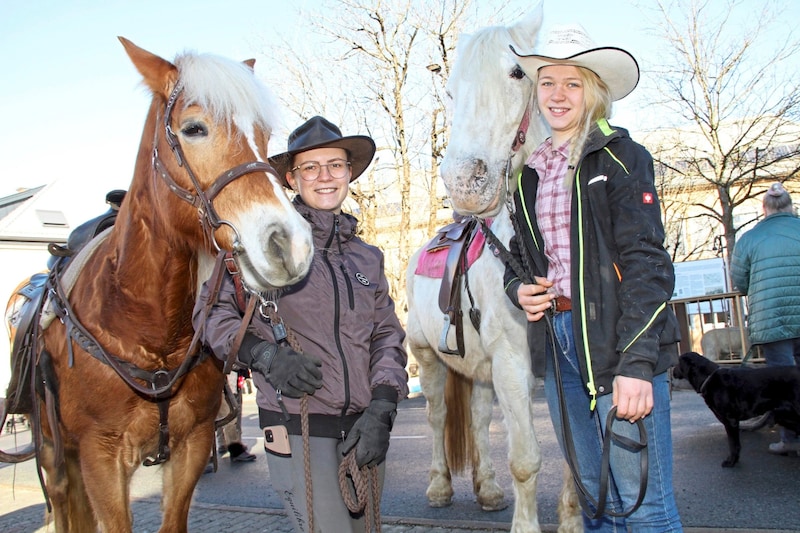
(201, 199)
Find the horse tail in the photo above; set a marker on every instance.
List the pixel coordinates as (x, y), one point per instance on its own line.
(459, 444)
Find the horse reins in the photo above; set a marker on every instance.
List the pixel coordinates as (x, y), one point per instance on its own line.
(521, 271)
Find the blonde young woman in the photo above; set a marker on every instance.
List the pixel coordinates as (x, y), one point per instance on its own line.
(590, 231)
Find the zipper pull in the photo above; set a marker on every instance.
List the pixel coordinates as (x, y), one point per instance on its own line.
(336, 232)
(286, 416)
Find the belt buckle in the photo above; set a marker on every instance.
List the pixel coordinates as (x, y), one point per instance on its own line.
(554, 305)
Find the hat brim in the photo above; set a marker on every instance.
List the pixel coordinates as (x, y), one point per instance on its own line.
(361, 150)
(617, 68)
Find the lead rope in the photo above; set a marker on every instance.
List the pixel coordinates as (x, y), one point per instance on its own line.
(522, 271)
(365, 479)
(366, 484)
(276, 321)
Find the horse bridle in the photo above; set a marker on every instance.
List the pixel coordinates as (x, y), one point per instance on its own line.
(201, 199)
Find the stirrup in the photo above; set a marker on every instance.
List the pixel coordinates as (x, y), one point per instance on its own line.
(443, 347)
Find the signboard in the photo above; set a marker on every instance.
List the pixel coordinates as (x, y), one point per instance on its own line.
(704, 277)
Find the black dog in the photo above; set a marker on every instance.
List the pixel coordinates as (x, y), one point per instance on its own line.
(741, 393)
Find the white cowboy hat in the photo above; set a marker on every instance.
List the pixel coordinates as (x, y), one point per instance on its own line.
(571, 45)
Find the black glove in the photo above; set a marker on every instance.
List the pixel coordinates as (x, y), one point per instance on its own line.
(370, 433)
(290, 372)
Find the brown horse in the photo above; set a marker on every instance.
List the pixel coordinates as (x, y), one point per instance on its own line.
(201, 184)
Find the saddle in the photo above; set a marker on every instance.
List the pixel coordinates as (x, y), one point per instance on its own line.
(19, 395)
(80, 236)
(456, 238)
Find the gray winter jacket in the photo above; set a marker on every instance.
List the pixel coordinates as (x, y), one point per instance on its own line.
(341, 312)
(765, 266)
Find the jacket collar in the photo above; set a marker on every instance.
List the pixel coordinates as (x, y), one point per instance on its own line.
(601, 135)
(322, 222)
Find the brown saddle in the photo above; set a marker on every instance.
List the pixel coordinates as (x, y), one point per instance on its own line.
(19, 399)
(457, 238)
(20, 393)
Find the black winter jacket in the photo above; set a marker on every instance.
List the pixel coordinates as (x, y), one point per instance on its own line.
(622, 277)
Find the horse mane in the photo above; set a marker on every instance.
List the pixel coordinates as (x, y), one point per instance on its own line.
(481, 48)
(228, 89)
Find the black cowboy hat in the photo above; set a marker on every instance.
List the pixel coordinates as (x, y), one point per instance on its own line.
(319, 132)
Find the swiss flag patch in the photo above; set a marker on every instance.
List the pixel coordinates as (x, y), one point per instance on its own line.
(647, 198)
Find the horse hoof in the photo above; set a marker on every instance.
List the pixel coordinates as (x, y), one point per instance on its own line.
(491, 507)
(436, 504)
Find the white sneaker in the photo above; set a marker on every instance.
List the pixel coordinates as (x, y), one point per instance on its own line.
(784, 448)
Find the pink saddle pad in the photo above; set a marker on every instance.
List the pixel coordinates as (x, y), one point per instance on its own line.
(431, 263)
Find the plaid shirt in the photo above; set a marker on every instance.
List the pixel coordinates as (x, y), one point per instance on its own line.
(553, 207)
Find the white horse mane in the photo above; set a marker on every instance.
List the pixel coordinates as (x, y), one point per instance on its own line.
(228, 89)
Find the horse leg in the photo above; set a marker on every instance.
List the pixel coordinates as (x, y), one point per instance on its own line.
(515, 395)
(107, 473)
(570, 517)
(71, 510)
(432, 377)
(181, 474)
(489, 494)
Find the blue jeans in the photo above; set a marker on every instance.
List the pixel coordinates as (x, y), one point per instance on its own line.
(658, 512)
(783, 353)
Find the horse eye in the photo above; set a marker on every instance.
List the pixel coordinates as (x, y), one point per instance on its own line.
(517, 73)
(195, 129)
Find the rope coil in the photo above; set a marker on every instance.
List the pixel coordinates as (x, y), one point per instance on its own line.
(365, 479)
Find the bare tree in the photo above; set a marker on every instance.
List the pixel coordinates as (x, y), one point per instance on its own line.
(734, 102)
(380, 68)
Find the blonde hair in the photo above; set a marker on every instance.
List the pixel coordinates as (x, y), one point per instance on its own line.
(596, 105)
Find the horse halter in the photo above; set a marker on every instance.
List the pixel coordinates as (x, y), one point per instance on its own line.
(519, 140)
(201, 199)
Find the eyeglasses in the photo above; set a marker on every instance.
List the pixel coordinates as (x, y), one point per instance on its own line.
(310, 170)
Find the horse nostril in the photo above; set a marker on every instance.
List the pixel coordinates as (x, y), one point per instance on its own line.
(481, 168)
(277, 243)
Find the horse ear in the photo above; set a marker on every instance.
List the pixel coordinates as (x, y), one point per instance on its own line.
(159, 74)
(250, 63)
(525, 30)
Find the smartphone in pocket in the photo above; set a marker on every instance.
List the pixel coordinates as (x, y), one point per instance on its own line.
(276, 441)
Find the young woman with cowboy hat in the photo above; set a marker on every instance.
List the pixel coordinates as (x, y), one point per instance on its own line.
(351, 360)
(598, 281)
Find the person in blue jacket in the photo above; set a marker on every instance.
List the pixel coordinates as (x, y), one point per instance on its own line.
(765, 266)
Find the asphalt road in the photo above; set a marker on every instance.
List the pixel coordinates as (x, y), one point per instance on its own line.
(761, 493)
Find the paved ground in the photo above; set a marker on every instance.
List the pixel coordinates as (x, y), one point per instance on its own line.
(23, 509)
(22, 505)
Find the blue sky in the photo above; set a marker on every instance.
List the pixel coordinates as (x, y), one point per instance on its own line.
(71, 101)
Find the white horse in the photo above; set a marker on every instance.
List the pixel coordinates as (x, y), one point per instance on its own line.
(491, 116)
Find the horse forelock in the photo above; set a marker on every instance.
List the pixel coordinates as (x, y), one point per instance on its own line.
(488, 103)
(229, 91)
